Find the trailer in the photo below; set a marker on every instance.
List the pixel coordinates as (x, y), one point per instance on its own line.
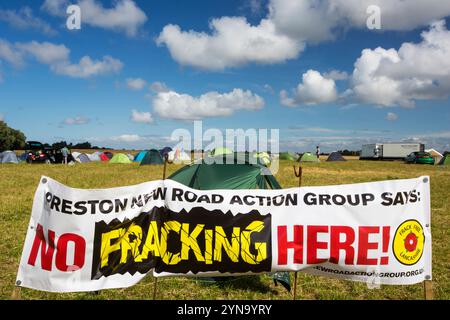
(389, 151)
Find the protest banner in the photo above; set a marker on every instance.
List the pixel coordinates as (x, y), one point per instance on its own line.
(89, 240)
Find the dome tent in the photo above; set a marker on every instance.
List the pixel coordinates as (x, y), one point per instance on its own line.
(177, 156)
(103, 157)
(286, 156)
(202, 175)
(165, 151)
(94, 157)
(152, 157)
(308, 157)
(8, 157)
(445, 161)
(82, 158)
(140, 156)
(335, 156)
(120, 158)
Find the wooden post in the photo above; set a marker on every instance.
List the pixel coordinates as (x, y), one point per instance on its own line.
(428, 289)
(16, 293)
(299, 176)
(155, 281)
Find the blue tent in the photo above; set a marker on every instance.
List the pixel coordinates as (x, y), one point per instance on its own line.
(140, 156)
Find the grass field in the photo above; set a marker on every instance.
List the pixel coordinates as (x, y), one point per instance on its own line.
(19, 182)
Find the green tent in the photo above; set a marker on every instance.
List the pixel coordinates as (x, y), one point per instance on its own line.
(445, 161)
(286, 156)
(220, 151)
(120, 158)
(308, 157)
(152, 157)
(237, 175)
(240, 175)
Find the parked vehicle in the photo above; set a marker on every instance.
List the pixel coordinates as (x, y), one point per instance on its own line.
(389, 151)
(419, 157)
(38, 153)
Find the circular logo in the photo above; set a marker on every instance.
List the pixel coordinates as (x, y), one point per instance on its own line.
(409, 242)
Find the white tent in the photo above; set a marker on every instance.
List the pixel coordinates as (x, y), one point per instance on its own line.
(75, 154)
(435, 154)
(177, 156)
(94, 157)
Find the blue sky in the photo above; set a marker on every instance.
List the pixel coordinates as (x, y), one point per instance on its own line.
(231, 64)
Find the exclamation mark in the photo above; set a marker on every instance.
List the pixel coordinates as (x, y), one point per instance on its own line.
(386, 233)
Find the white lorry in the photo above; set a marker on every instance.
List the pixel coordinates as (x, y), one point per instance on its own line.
(389, 151)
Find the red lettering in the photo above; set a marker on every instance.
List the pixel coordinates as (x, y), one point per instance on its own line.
(364, 245)
(79, 254)
(46, 252)
(284, 245)
(314, 244)
(336, 245)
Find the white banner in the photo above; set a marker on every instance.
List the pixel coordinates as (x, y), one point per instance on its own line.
(88, 240)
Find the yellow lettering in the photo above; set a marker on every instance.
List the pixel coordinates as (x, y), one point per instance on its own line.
(131, 241)
(107, 248)
(232, 250)
(169, 257)
(189, 241)
(261, 247)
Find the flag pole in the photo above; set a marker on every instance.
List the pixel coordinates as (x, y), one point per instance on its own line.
(155, 281)
(299, 176)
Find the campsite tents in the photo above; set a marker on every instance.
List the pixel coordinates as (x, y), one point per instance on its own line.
(445, 161)
(152, 157)
(94, 157)
(8, 157)
(436, 155)
(120, 158)
(286, 156)
(75, 154)
(140, 156)
(23, 157)
(308, 157)
(220, 151)
(103, 157)
(82, 158)
(130, 156)
(108, 154)
(335, 156)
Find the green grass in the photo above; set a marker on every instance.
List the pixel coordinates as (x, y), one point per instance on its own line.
(19, 182)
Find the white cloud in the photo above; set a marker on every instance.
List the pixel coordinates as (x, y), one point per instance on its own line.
(173, 105)
(321, 20)
(80, 120)
(287, 28)
(24, 19)
(136, 83)
(58, 58)
(336, 75)
(141, 117)
(159, 87)
(416, 71)
(127, 138)
(314, 89)
(125, 16)
(10, 54)
(233, 42)
(391, 116)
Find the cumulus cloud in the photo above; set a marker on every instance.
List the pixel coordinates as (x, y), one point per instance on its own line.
(416, 71)
(127, 138)
(57, 57)
(173, 105)
(232, 42)
(136, 83)
(24, 19)
(141, 117)
(336, 75)
(314, 89)
(321, 20)
(287, 28)
(391, 116)
(80, 120)
(159, 87)
(125, 16)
